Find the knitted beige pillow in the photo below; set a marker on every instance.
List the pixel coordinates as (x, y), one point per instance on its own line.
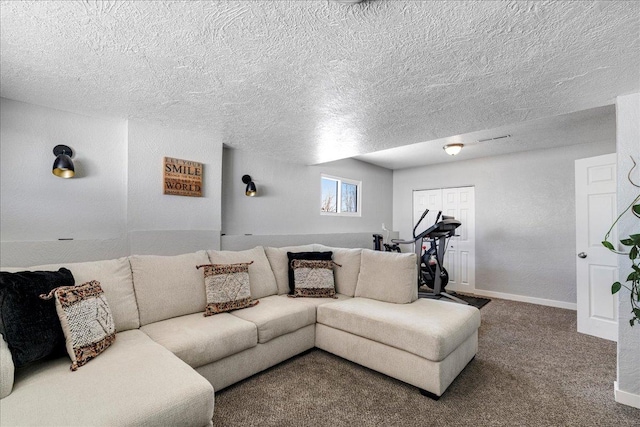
(313, 278)
(86, 320)
(227, 287)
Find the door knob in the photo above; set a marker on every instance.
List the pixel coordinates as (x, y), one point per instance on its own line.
(582, 255)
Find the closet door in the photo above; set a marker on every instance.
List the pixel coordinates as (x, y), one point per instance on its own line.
(460, 255)
(460, 260)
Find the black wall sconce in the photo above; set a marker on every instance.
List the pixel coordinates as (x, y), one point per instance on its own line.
(251, 187)
(63, 165)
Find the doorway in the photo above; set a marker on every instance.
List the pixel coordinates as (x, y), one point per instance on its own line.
(459, 202)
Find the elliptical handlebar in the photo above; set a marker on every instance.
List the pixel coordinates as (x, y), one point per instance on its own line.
(426, 211)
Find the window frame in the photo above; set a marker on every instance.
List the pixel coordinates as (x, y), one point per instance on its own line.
(340, 181)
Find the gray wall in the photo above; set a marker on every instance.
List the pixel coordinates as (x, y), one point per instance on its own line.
(114, 205)
(525, 216)
(627, 144)
(288, 200)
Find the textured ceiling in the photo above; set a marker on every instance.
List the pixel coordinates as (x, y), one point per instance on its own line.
(312, 81)
(596, 125)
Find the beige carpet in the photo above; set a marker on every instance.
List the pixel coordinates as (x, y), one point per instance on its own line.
(532, 369)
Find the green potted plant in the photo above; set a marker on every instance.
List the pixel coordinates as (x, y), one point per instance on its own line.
(633, 242)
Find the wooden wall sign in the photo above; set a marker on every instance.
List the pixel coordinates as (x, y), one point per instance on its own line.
(182, 177)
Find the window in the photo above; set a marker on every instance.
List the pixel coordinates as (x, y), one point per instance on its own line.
(340, 196)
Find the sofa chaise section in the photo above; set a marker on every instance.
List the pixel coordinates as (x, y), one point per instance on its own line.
(426, 343)
(136, 382)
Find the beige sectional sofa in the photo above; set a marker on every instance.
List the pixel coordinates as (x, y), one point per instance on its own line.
(168, 358)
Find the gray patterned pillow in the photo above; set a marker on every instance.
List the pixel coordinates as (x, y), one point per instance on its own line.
(313, 278)
(227, 287)
(86, 320)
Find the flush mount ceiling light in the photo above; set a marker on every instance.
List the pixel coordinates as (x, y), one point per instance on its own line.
(348, 1)
(63, 165)
(453, 149)
(251, 186)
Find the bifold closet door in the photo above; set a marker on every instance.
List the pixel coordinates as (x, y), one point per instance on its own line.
(460, 255)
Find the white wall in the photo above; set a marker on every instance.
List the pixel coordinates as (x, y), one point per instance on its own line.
(525, 216)
(288, 200)
(37, 208)
(627, 144)
(167, 224)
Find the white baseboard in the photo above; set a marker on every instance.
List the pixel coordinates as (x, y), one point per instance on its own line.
(625, 397)
(523, 298)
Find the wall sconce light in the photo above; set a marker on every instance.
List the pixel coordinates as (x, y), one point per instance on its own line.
(453, 149)
(63, 165)
(251, 187)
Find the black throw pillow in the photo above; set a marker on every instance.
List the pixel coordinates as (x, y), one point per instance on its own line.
(311, 256)
(30, 325)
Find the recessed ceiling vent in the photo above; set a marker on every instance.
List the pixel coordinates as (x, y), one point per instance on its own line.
(494, 139)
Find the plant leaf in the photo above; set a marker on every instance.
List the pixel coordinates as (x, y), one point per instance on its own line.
(636, 311)
(607, 245)
(627, 242)
(615, 287)
(632, 321)
(633, 276)
(635, 238)
(636, 209)
(633, 253)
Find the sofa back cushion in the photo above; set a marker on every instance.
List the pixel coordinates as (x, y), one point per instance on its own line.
(168, 286)
(261, 279)
(388, 276)
(115, 279)
(280, 264)
(346, 277)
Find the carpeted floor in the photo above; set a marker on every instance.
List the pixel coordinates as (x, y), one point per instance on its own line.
(532, 369)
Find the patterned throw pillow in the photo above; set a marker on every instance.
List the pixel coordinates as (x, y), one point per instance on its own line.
(227, 287)
(86, 320)
(311, 256)
(313, 278)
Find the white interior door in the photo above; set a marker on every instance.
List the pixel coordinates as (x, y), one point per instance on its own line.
(460, 255)
(596, 266)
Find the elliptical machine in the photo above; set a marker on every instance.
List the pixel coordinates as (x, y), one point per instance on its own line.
(431, 271)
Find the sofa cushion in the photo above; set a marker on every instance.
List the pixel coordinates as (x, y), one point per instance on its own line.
(313, 279)
(346, 277)
(199, 340)
(276, 316)
(280, 264)
(136, 382)
(168, 286)
(115, 279)
(86, 321)
(430, 329)
(227, 287)
(261, 278)
(310, 256)
(388, 276)
(29, 324)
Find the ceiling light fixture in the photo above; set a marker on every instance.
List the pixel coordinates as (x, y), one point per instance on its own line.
(348, 1)
(453, 149)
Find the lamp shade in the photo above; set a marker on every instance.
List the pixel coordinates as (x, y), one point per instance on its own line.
(251, 186)
(453, 149)
(63, 165)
